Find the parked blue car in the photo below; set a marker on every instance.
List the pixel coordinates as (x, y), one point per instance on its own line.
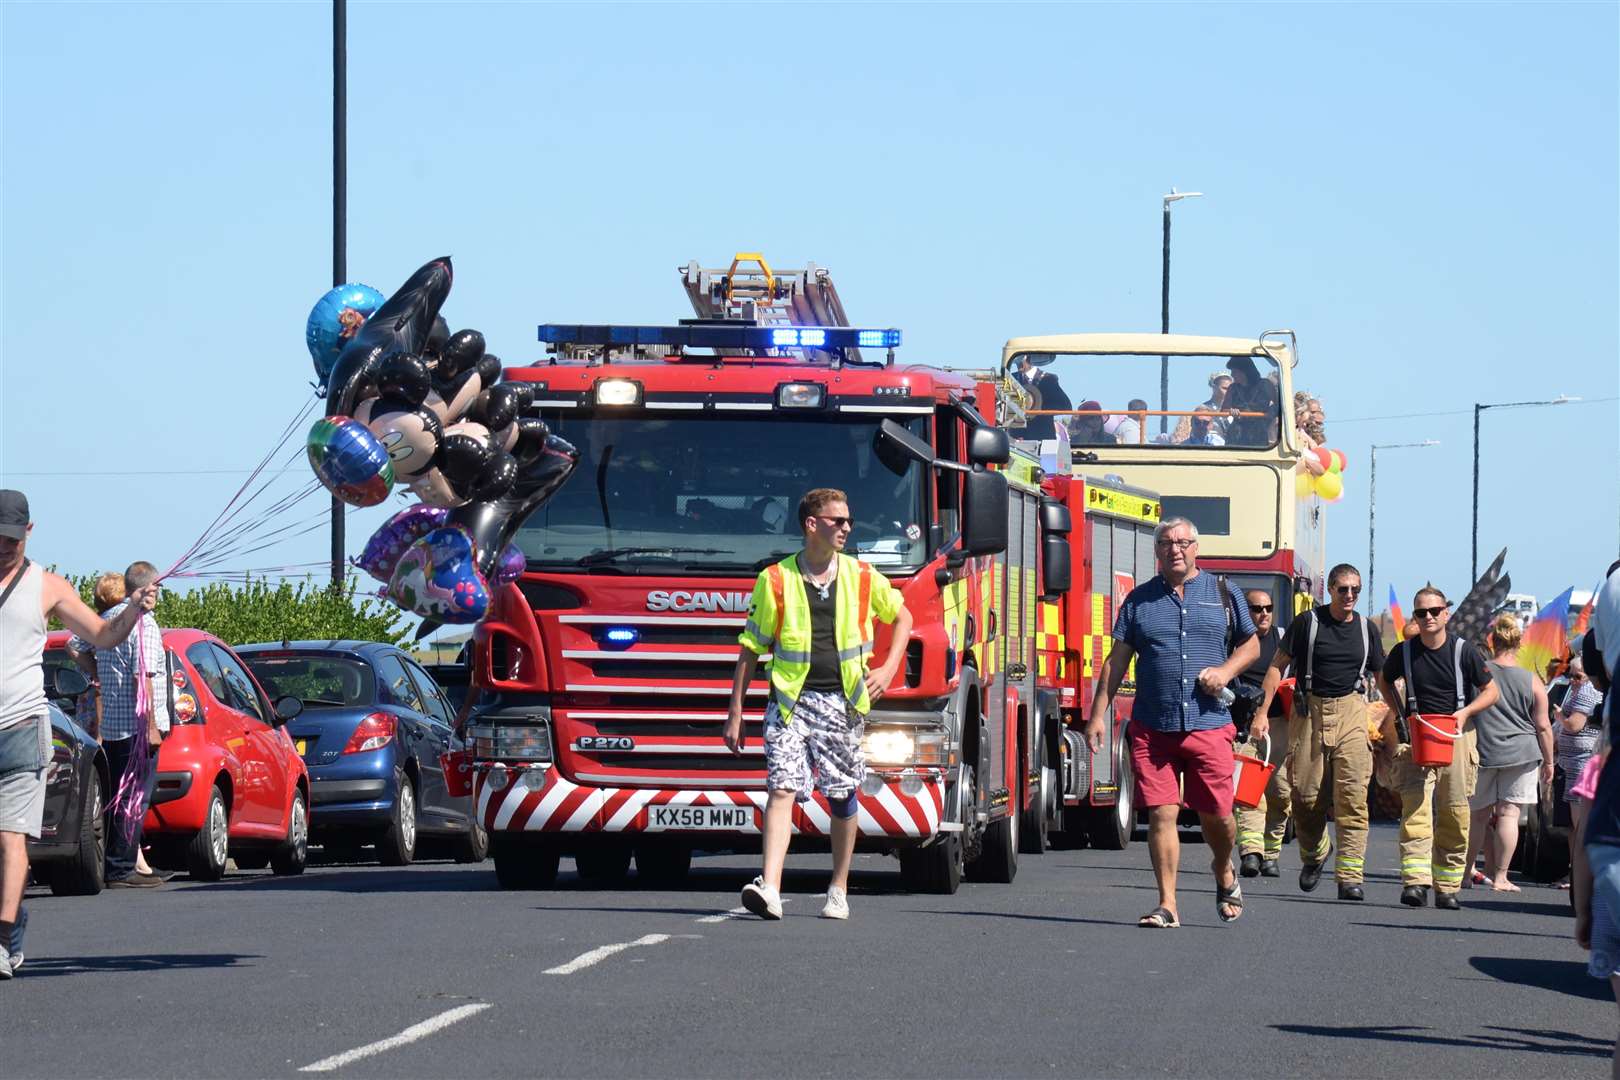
(375, 733)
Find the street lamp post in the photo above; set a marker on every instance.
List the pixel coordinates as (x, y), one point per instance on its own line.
(1164, 304)
(1372, 519)
(340, 188)
(1473, 558)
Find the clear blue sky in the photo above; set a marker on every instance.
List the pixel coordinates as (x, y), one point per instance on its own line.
(1427, 194)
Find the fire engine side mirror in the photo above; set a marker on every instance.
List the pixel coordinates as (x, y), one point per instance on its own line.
(1055, 517)
(1056, 573)
(984, 512)
(988, 446)
(895, 445)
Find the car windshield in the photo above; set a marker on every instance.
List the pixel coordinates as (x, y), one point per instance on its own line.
(1115, 400)
(319, 681)
(720, 494)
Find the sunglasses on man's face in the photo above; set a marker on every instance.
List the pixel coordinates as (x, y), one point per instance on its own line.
(835, 522)
(1347, 590)
(1429, 612)
(1260, 609)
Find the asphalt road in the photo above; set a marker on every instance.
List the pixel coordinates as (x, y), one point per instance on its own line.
(259, 976)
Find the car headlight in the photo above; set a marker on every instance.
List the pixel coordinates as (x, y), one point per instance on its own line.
(905, 746)
(510, 742)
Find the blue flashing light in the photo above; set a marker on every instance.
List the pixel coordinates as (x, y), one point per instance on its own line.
(721, 336)
(620, 637)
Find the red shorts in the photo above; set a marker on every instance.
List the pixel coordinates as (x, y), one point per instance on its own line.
(1202, 760)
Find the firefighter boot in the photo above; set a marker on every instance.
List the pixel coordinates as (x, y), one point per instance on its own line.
(1250, 865)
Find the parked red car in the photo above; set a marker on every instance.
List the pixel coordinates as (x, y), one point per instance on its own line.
(230, 783)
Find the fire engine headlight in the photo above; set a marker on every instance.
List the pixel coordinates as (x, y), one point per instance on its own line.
(618, 392)
(905, 746)
(510, 742)
(798, 395)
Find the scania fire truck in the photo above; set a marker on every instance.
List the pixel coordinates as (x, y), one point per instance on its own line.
(605, 670)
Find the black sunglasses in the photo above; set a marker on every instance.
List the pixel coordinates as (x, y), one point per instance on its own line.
(1429, 612)
(1347, 590)
(1260, 607)
(835, 522)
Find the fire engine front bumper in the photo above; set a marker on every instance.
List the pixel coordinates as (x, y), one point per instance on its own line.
(539, 799)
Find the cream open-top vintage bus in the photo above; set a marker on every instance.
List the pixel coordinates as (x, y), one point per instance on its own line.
(1145, 408)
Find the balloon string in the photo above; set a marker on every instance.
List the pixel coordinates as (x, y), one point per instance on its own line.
(129, 804)
(259, 517)
(247, 530)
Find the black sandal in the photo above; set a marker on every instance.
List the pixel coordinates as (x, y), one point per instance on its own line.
(1228, 898)
(1160, 918)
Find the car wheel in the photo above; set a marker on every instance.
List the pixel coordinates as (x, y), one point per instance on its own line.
(605, 862)
(398, 845)
(524, 862)
(291, 857)
(472, 846)
(210, 848)
(87, 872)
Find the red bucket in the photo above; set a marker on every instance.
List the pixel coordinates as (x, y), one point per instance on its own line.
(458, 773)
(1432, 736)
(1250, 775)
(1285, 696)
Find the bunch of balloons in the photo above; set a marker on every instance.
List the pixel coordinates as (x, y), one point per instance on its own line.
(1321, 474)
(409, 402)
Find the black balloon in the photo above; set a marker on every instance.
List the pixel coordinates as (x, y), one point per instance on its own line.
(493, 522)
(401, 325)
(460, 352)
(404, 375)
(532, 434)
(496, 479)
(436, 337)
(462, 458)
(496, 407)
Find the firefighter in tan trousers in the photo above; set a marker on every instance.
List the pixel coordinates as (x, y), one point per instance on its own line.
(1260, 831)
(1441, 675)
(1335, 654)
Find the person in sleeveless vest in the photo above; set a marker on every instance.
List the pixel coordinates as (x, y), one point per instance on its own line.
(1442, 675)
(1335, 654)
(813, 613)
(29, 598)
(1515, 743)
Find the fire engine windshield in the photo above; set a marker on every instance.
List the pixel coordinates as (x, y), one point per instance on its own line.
(720, 494)
(1115, 400)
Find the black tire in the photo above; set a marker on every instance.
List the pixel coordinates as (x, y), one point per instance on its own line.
(252, 860)
(524, 862)
(86, 873)
(604, 862)
(1037, 820)
(292, 856)
(663, 864)
(1543, 854)
(998, 853)
(397, 845)
(1110, 828)
(936, 869)
(472, 846)
(209, 850)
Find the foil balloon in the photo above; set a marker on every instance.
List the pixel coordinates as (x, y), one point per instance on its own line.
(510, 566)
(397, 534)
(334, 321)
(410, 433)
(434, 489)
(404, 375)
(493, 522)
(401, 325)
(349, 460)
(438, 578)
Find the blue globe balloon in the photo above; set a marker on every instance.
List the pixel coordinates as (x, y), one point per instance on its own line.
(350, 461)
(334, 320)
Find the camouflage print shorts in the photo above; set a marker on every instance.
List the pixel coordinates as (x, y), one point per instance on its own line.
(820, 743)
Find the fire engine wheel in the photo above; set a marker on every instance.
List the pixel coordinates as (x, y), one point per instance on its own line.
(603, 863)
(523, 861)
(1037, 819)
(998, 852)
(938, 869)
(1111, 827)
(663, 865)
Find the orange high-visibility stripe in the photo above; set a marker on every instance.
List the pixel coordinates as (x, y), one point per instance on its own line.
(773, 574)
(864, 609)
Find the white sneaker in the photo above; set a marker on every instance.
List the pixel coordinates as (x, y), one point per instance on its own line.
(761, 899)
(837, 906)
(5, 965)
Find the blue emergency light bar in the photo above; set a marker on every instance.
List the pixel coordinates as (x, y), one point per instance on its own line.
(722, 336)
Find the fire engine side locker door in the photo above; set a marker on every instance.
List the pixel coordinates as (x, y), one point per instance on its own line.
(1099, 638)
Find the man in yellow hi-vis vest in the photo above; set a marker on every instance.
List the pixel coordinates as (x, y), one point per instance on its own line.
(813, 612)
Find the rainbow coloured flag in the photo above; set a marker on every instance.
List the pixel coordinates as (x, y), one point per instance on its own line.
(1547, 637)
(1397, 617)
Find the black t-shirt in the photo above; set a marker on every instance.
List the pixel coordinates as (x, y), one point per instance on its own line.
(1335, 669)
(824, 674)
(1252, 679)
(1434, 673)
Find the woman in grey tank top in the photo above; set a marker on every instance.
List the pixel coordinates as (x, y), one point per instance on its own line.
(1515, 754)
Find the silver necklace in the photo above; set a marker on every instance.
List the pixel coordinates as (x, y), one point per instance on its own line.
(823, 588)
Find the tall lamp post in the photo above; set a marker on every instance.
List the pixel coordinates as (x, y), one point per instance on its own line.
(1561, 399)
(1372, 520)
(1164, 304)
(340, 188)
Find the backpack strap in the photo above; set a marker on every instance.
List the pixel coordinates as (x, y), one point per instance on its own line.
(1456, 662)
(1411, 690)
(22, 572)
(1366, 651)
(1310, 648)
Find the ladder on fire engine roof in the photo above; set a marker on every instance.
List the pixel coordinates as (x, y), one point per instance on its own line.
(749, 290)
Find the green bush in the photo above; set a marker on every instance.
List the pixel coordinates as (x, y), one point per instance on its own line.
(239, 614)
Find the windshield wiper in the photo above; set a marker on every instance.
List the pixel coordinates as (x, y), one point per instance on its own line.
(601, 558)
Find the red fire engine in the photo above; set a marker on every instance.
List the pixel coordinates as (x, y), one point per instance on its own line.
(605, 669)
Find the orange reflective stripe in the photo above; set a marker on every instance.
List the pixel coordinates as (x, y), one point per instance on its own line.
(773, 574)
(864, 609)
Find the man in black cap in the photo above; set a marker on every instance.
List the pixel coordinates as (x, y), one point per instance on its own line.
(29, 598)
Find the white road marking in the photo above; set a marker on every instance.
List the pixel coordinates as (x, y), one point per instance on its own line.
(411, 1034)
(596, 956)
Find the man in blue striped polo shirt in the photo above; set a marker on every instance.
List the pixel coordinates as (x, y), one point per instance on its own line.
(1190, 636)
